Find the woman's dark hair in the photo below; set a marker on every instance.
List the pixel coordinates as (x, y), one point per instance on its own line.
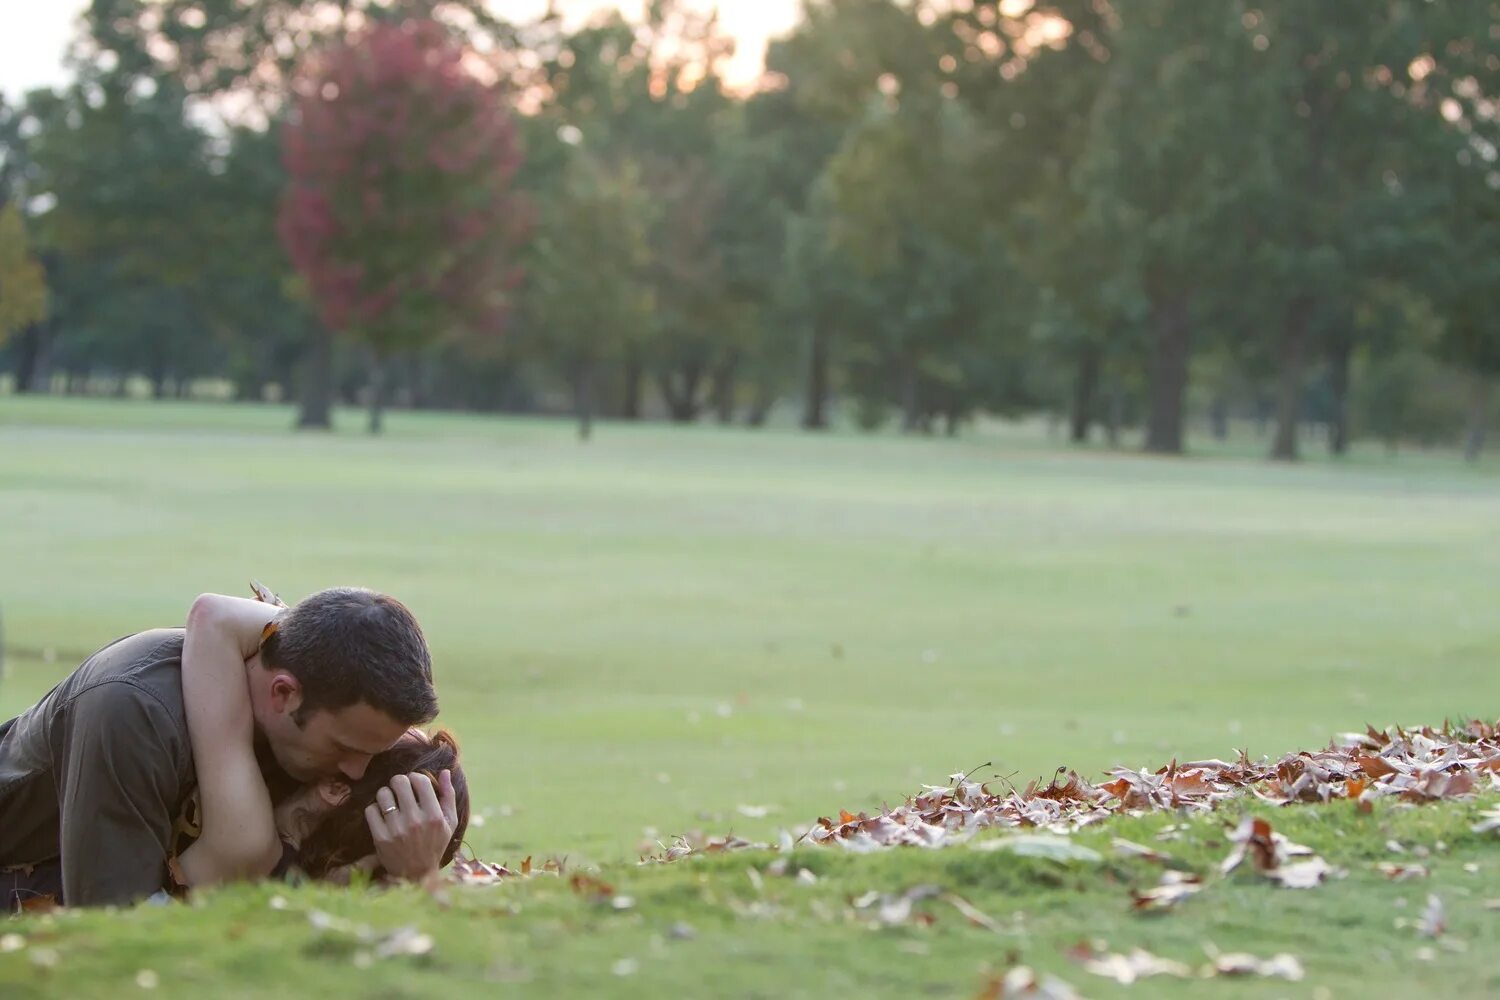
(347, 645)
(342, 836)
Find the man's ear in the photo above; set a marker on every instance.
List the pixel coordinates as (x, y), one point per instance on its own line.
(286, 693)
(333, 793)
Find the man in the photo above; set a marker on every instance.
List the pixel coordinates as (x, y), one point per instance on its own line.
(95, 775)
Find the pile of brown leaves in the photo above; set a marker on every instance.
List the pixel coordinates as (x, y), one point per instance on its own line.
(1420, 765)
(1411, 765)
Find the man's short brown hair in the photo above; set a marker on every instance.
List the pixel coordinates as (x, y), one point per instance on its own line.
(347, 645)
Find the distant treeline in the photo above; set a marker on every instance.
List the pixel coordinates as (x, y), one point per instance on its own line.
(1119, 214)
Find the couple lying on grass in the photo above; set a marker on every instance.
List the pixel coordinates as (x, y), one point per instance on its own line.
(257, 741)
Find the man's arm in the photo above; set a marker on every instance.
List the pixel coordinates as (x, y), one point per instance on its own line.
(118, 793)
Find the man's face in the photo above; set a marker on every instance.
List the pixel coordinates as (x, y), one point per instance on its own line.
(328, 744)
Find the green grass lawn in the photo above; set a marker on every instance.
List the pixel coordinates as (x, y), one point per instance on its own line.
(640, 636)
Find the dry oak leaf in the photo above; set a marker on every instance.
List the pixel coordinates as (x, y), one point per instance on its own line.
(1238, 963)
(1174, 888)
(1130, 849)
(1488, 820)
(1139, 964)
(1022, 981)
(1434, 919)
(1401, 873)
(1267, 850)
(1303, 875)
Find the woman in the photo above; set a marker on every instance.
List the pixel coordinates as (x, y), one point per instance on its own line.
(404, 817)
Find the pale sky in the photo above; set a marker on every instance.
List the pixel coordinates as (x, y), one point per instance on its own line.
(34, 33)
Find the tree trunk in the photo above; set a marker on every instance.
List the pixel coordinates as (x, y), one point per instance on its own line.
(723, 393)
(760, 405)
(1479, 407)
(315, 410)
(634, 378)
(1085, 388)
(1218, 417)
(911, 397)
(682, 406)
(1289, 387)
(1167, 374)
(1262, 414)
(1114, 415)
(1338, 385)
(583, 400)
(377, 394)
(815, 399)
(248, 388)
(417, 383)
(31, 357)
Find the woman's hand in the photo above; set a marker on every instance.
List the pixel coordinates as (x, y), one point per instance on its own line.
(412, 823)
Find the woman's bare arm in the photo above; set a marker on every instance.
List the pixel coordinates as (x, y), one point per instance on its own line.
(239, 829)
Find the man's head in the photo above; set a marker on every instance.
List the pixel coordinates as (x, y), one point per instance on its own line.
(340, 679)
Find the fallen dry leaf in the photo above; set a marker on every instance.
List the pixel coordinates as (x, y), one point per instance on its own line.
(1488, 820)
(1130, 849)
(971, 912)
(891, 910)
(1375, 767)
(1268, 851)
(1138, 964)
(34, 905)
(403, 941)
(1175, 886)
(587, 885)
(1302, 875)
(1022, 981)
(1282, 966)
(1252, 839)
(1434, 919)
(1401, 873)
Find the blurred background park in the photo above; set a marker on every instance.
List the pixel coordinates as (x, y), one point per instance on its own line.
(876, 319)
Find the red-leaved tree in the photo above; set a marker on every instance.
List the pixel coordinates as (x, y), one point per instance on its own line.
(399, 213)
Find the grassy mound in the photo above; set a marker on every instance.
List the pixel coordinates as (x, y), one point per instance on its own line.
(826, 920)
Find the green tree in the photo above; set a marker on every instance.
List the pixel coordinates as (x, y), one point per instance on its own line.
(586, 301)
(23, 285)
(1031, 76)
(1337, 206)
(1167, 171)
(1459, 88)
(905, 189)
(824, 76)
(650, 94)
(131, 211)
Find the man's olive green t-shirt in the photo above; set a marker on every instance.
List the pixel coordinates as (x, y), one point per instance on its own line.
(98, 771)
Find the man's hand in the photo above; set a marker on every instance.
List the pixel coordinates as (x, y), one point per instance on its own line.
(412, 823)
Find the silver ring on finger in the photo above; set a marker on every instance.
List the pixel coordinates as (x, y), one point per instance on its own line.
(388, 810)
